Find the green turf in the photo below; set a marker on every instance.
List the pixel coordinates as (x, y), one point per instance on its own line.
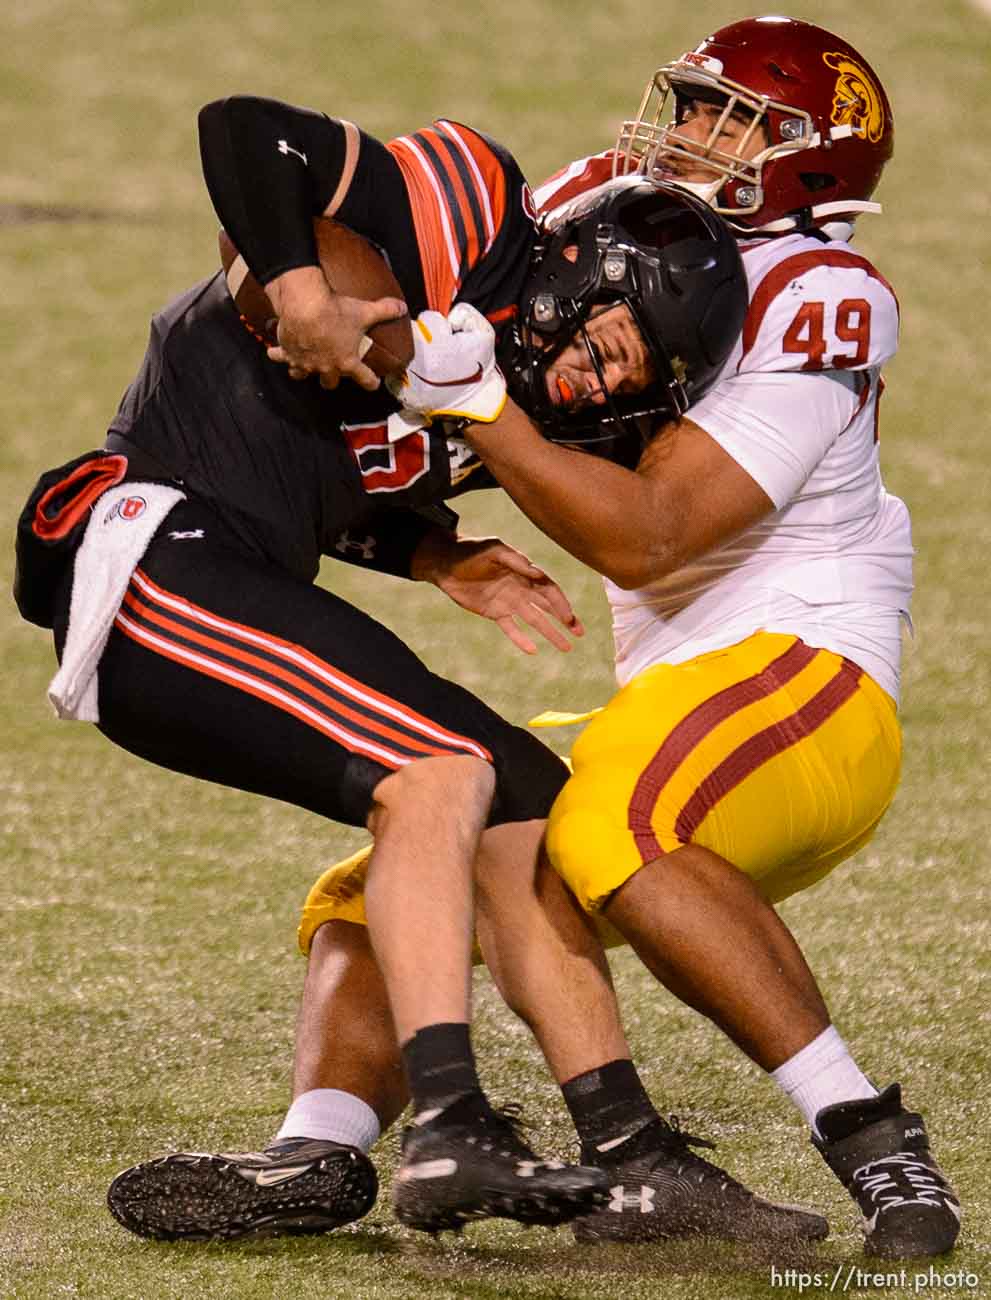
(147, 973)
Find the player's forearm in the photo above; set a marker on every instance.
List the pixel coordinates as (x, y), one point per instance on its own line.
(604, 515)
(433, 556)
(270, 168)
(403, 543)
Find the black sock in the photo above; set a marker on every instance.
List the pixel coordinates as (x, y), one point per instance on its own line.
(440, 1066)
(608, 1103)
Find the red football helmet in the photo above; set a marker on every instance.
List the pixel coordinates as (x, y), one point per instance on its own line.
(824, 115)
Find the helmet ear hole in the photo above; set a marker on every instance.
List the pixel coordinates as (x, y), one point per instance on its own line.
(815, 181)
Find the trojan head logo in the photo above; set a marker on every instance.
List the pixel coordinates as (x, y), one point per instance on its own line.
(857, 98)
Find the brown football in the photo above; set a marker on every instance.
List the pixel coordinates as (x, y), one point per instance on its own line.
(353, 267)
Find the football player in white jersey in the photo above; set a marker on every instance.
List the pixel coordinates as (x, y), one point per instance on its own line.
(759, 574)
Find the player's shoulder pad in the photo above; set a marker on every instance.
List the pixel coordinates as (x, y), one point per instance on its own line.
(456, 157)
(814, 306)
(577, 178)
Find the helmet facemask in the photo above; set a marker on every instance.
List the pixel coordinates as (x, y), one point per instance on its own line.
(651, 143)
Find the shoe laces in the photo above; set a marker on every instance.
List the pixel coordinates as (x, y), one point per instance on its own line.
(901, 1179)
(507, 1129)
(662, 1139)
(487, 1129)
(680, 1139)
(666, 1148)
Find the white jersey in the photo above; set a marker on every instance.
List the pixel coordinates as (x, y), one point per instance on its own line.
(796, 406)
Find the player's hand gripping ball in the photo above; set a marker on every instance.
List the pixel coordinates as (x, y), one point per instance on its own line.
(354, 268)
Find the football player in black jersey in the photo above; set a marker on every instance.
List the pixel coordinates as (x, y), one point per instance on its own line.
(222, 660)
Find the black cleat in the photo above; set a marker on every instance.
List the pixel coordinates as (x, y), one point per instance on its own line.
(659, 1188)
(880, 1153)
(298, 1185)
(469, 1162)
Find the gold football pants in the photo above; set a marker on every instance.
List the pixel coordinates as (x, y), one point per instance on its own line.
(777, 756)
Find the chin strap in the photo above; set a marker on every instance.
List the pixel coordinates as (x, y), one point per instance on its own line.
(851, 206)
(843, 229)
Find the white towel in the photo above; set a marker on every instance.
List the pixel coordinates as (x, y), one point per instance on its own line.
(122, 523)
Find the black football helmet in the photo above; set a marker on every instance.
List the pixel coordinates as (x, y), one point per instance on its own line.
(673, 262)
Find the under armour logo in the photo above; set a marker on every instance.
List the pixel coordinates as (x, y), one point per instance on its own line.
(348, 545)
(286, 148)
(642, 1199)
(190, 535)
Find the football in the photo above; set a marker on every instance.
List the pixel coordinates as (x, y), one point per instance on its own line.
(353, 267)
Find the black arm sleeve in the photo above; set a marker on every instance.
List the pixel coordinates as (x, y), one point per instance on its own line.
(386, 540)
(271, 168)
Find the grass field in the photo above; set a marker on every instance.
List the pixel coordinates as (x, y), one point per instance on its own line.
(148, 977)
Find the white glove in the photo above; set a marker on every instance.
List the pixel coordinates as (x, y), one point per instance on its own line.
(453, 371)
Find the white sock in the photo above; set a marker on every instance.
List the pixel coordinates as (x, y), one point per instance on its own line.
(822, 1074)
(332, 1116)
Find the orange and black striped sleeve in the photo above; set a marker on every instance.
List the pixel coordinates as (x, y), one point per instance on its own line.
(473, 217)
(448, 206)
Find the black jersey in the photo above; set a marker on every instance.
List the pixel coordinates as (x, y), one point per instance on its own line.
(220, 663)
(289, 465)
